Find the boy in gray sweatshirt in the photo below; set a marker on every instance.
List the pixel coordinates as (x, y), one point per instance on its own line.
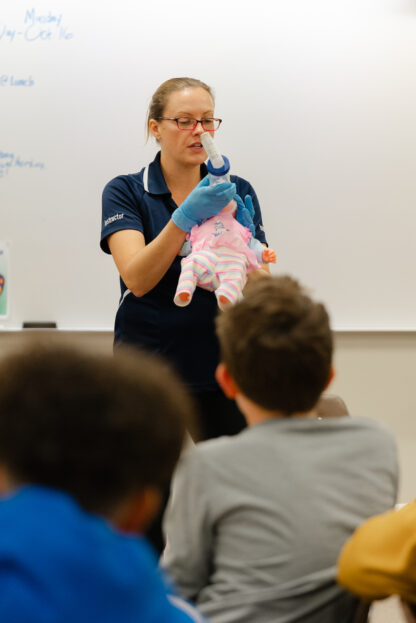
(255, 522)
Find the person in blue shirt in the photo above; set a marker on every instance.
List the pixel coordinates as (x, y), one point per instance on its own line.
(87, 444)
(145, 219)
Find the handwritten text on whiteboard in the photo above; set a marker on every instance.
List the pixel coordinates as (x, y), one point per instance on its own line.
(36, 26)
(9, 160)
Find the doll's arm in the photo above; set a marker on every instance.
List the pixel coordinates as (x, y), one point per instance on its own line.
(269, 256)
(264, 255)
(186, 249)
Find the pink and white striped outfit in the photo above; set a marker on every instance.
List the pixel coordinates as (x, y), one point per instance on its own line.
(220, 259)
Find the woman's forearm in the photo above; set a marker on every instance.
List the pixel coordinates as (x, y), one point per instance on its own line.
(141, 265)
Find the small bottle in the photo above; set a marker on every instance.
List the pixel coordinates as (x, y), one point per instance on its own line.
(218, 166)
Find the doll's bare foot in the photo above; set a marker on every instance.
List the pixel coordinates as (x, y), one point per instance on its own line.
(184, 297)
(223, 302)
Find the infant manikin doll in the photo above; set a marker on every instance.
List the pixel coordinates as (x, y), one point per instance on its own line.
(223, 253)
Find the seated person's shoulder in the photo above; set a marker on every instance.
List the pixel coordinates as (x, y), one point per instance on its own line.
(212, 454)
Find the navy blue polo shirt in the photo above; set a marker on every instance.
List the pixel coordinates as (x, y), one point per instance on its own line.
(184, 335)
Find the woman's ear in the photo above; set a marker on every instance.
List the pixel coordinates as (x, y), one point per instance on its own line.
(226, 381)
(154, 129)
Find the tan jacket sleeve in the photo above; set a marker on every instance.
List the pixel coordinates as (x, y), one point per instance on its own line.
(380, 558)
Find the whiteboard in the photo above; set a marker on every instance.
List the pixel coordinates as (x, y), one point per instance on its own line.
(318, 100)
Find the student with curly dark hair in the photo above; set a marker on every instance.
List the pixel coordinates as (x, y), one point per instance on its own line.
(87, 445)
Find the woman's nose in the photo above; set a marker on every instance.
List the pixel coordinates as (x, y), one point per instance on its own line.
(198, 129)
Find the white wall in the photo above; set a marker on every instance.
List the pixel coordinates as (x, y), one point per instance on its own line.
(376, 376)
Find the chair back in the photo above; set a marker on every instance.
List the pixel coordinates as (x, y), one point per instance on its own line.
(361, 614)
(409, 611)
(330, 405)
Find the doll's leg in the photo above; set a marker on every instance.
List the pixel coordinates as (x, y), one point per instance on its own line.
(186, 283)
(196, 269)
(232, 275)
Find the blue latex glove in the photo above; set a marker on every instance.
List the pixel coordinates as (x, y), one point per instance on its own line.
(245, 212)
(202, 203)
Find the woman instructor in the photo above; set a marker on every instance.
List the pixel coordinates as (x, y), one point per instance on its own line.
(146, 216)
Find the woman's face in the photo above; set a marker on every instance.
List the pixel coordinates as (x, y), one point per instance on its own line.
(183, 147)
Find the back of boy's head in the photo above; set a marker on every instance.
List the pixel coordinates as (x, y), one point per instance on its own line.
(98, 427)
(277, 345)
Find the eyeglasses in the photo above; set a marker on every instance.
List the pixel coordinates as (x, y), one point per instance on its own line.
(187, 123)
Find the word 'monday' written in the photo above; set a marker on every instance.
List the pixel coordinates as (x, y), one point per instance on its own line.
(36, 27)
(10, 160)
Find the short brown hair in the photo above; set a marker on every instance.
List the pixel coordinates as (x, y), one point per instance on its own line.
(277, 345)
(100, 427)
(160, 97)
